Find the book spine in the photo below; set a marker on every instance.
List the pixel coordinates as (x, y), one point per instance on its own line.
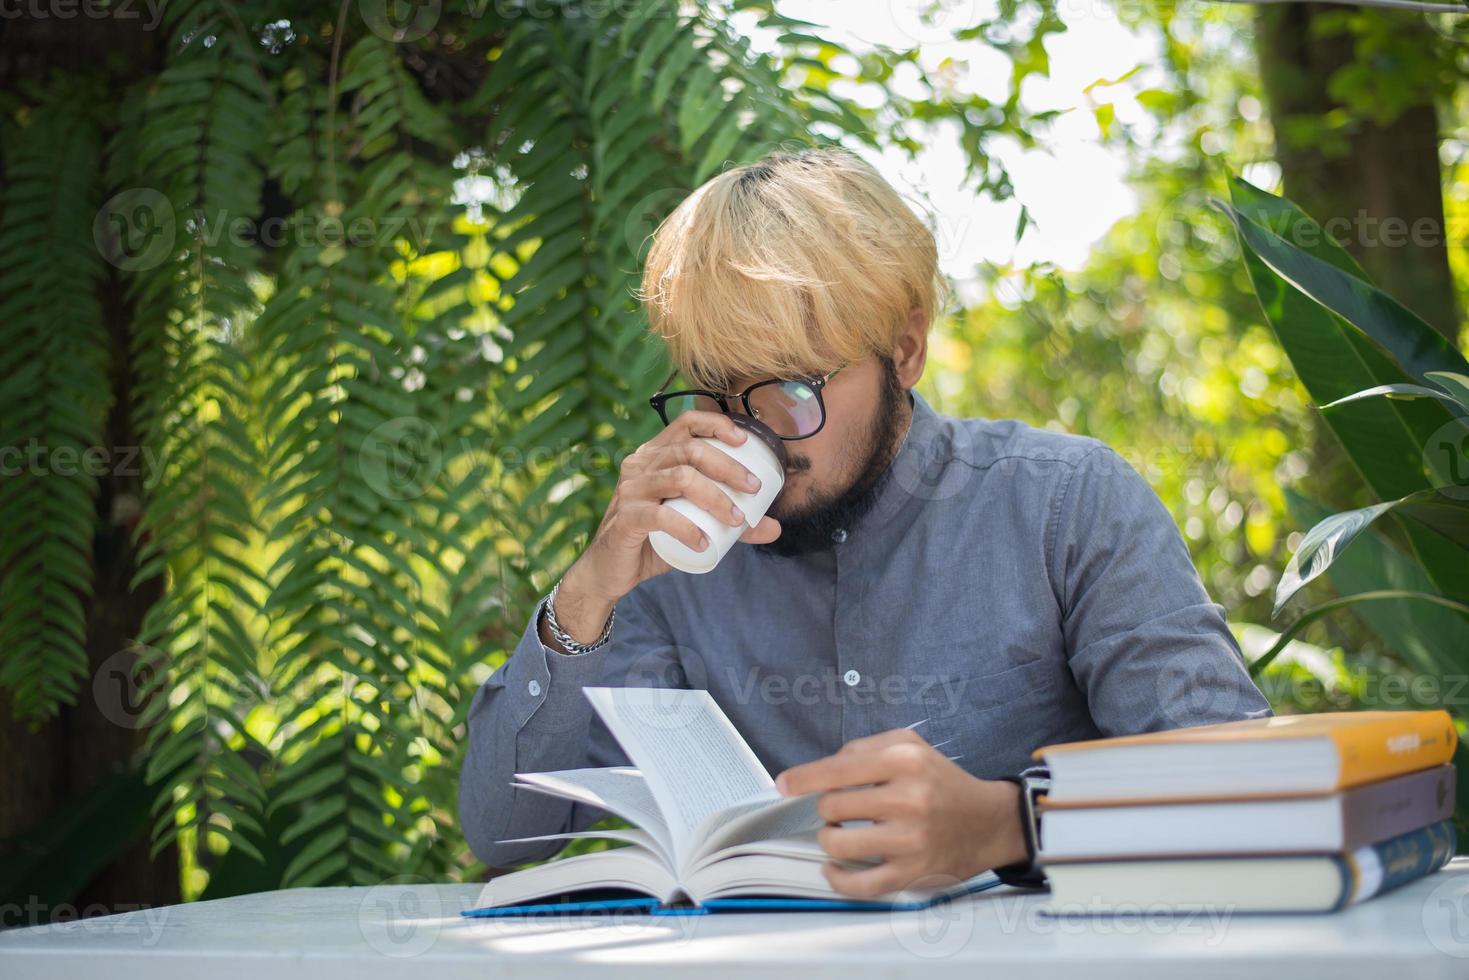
(1403, 742)
(1391, 807)
(1382, 867)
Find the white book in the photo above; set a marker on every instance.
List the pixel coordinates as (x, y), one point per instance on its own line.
(708, 821)
(1339, 822)
(1250, 883)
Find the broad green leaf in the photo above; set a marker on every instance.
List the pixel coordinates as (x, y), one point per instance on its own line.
(1444, 513)
(1454, 383)
(1406, 391)
(1416, 346)
(1431, 639)
(1391, 442)
(1284, 219)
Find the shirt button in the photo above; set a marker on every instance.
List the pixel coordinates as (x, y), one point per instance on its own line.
(851, 677)
(534, 687)
(839, 535)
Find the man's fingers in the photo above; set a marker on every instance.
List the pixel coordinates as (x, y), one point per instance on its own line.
(837, 771)
(645, 517)
(683, 480)
(859, 762)
(763, 533)
(868, 882)
(883, 740)
(864, 803)
(871, 842)
(818, 776)
(715, 464)
(716, 424)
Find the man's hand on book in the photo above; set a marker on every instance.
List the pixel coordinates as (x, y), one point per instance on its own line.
(929, 817)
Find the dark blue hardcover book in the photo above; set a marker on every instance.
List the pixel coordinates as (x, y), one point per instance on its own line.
(610, 901)
(1377, 868)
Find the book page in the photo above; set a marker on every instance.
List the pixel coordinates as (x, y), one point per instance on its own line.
(621, 790)
(637, 838)
(757, 820)
(694, 761)
(800, 876)
(623, 867)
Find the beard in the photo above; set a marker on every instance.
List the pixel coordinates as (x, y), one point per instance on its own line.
(810, 528)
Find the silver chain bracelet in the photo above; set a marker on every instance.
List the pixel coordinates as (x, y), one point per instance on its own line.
(563, 637)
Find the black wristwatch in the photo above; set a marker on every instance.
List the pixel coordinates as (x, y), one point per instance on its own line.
(1027, 873)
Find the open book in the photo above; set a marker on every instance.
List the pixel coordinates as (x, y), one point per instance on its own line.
(710, 827)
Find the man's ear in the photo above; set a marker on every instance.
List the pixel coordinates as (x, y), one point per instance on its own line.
(912, 351)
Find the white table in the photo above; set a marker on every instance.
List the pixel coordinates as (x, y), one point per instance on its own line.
(401, 930)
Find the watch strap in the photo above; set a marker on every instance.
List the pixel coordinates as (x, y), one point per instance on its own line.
(1027, 873)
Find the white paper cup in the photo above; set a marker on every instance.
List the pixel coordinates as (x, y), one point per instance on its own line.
(762, 453)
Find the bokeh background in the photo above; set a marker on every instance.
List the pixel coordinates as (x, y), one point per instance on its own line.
(319, 356)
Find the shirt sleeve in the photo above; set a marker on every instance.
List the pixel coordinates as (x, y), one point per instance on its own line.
(1147, 647)
(530, 715)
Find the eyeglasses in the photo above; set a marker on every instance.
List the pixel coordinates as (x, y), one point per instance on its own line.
(791, 407)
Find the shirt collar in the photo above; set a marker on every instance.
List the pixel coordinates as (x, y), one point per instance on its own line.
(916, 466)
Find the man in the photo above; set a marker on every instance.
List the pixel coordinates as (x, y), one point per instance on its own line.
(929, 598)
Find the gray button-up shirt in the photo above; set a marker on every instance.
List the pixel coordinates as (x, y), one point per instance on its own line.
(1010, 588)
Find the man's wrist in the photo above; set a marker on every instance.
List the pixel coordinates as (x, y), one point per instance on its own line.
(580, 616)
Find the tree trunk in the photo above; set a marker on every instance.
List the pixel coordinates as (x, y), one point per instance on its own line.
(1378, 189)
(51, 773)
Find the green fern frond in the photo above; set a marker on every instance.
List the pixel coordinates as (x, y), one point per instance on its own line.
(198, 155)
(375, 439)
(53, 405)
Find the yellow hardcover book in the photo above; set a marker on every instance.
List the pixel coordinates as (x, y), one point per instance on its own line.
(1291, 755)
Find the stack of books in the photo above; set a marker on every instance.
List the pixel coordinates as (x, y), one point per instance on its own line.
(1306, 813)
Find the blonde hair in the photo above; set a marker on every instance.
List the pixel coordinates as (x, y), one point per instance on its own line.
(795, 264)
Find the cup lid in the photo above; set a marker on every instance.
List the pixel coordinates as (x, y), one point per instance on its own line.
(767, 435)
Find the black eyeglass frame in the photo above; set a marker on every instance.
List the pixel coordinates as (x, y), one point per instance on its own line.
(816, 382)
